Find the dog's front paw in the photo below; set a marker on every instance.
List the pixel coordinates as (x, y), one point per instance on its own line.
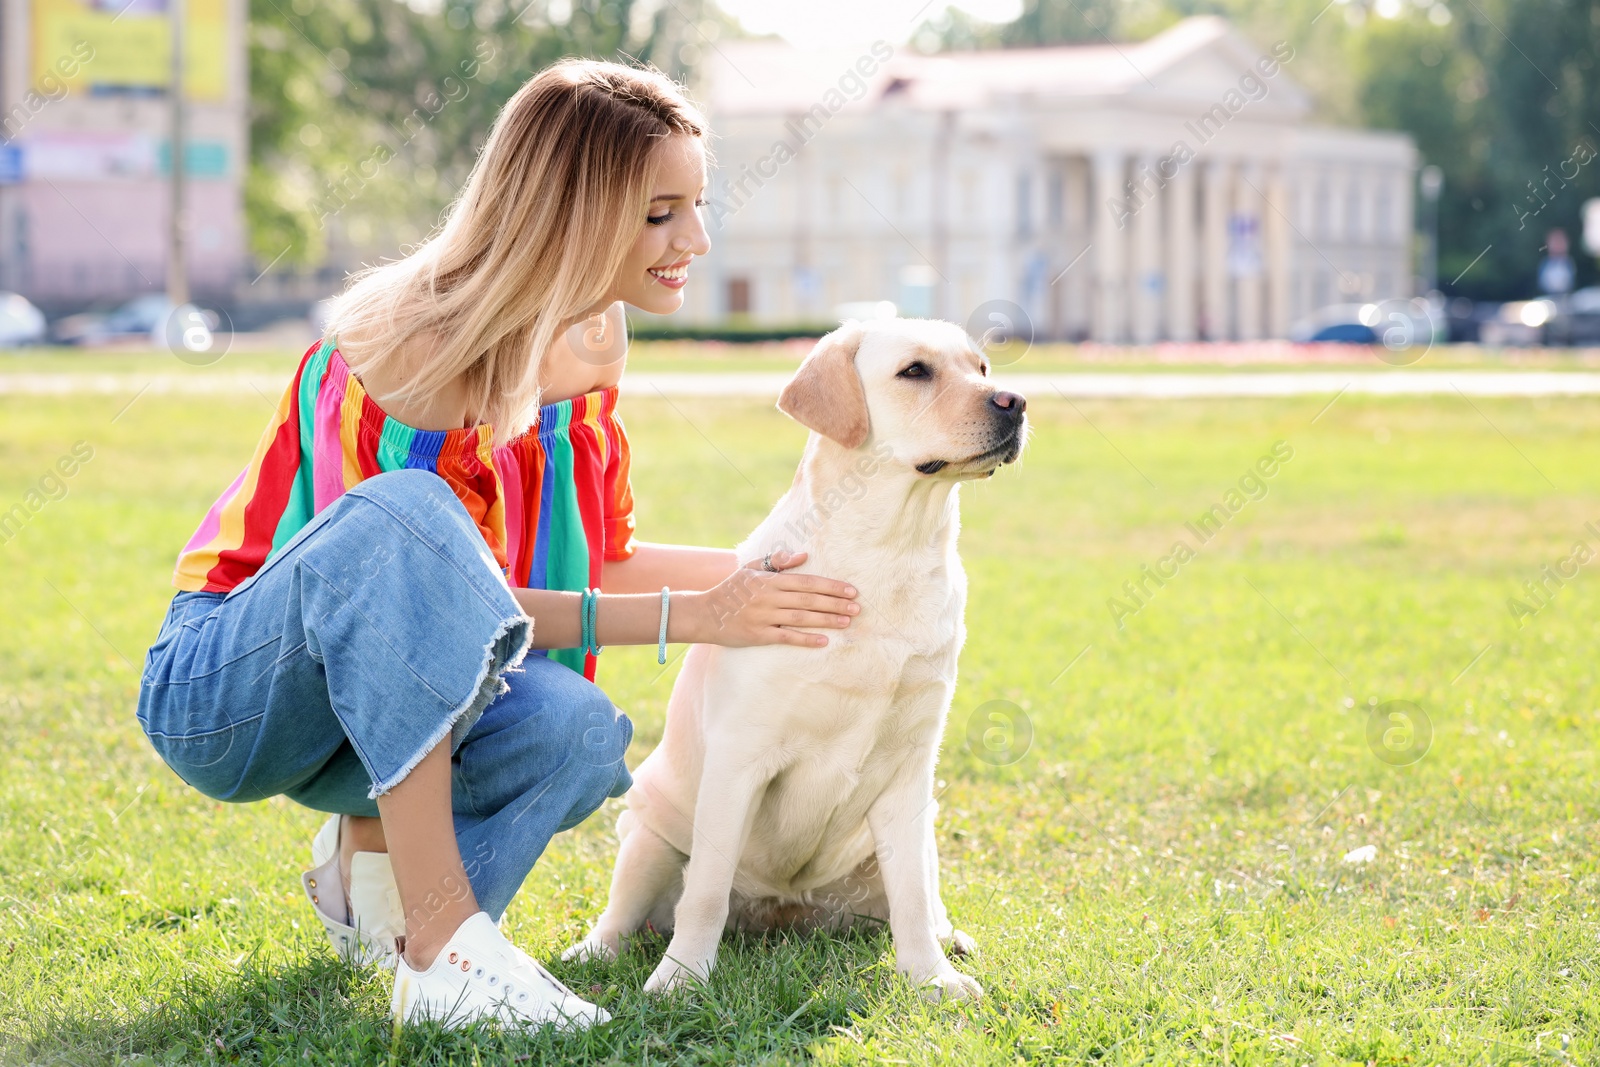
(596, 946)
(959, 943)
(947, 983)
(670, 976)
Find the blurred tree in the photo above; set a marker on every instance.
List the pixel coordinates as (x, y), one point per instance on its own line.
(954, 30)
(1062, 22)
(1411, 76)
(1544, 102)
(1501, 95)
(1042, 22)
(367, 115)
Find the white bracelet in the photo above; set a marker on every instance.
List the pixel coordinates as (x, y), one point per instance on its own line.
(661, 641)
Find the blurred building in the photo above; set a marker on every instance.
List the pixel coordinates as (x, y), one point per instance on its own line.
(85, 149)
(1171, 189)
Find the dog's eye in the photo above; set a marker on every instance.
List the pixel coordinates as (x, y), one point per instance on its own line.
(914, 370)
(983, 369)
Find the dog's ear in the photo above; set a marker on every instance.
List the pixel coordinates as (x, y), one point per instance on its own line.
(826, 394)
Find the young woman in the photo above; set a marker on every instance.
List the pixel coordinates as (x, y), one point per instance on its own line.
(442, 484)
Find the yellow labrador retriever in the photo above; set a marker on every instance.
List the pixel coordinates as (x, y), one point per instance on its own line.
(794, 786)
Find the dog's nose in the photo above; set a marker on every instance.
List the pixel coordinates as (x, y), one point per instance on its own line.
(1012, 404)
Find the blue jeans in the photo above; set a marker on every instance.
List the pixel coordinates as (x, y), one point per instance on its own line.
(383, 628)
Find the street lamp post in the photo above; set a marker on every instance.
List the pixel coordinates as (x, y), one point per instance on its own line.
(177, 273)
(1431, 181)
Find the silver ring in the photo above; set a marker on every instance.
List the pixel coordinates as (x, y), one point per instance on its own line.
(767, 563)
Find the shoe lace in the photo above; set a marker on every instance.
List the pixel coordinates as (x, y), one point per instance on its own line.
(540, 969)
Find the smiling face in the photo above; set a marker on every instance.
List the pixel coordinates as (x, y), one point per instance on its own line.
(672, 234)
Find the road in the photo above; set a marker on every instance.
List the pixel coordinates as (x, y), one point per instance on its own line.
(765, 385)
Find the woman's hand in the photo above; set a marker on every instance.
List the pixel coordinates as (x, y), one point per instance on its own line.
(754, 606)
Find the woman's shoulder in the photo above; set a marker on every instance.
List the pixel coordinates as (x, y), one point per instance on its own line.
(588, 357)
(397, 360)
(378, 378)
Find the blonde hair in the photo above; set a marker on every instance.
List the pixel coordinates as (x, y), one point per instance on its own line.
(537, 236)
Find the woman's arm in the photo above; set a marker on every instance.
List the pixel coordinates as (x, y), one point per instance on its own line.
(679, 566)
(633, 619)
(748, 607)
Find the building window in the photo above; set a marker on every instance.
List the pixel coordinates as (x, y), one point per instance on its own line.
(1024, 204)
(739, 295)
(1055, 199)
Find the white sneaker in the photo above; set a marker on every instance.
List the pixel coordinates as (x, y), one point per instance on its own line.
(480, 975)
(364, 919)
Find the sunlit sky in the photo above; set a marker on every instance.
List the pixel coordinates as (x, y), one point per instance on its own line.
(819, 22)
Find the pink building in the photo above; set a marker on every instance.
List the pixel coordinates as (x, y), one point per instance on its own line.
(85, 148)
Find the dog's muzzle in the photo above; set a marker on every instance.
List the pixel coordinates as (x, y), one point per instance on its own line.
(1007, 409)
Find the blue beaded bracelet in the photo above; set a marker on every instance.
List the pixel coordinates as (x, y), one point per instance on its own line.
(588, 617)
(661, 641)
(583, 621)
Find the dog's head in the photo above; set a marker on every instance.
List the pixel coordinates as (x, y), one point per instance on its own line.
(919, 386)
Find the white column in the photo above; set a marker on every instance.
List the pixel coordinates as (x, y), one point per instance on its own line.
(1247, 287)
(1180, 255)
(1147, 279)
(1214, 272)
(1078, 281)
(1110, 263)
(1278, 211)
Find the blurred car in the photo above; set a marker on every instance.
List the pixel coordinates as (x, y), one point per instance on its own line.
(20, 322)
(1576, 320)
(1393, 323)
(140, 319)
(1518, 323)
(1464, 319)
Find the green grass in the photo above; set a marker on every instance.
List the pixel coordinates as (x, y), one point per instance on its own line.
(1157, 878)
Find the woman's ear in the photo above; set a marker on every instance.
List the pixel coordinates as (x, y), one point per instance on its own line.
(826, 394)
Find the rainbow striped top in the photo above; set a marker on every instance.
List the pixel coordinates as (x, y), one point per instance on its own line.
(553, 504)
